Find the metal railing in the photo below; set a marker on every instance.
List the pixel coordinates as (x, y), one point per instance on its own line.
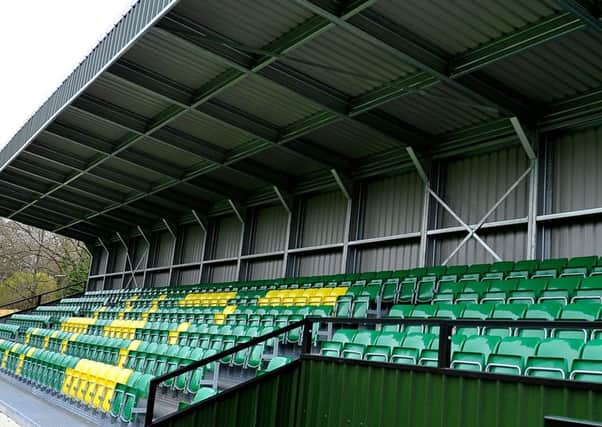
(446, 328)
(49, 297)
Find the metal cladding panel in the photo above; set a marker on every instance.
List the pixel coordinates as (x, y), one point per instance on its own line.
(174, 58)
(227, 237)
(390, 257)
(190, 244)
(91, 125)
(318, 264)
(386, 396)
(555, 70)
(324, 219)
(115, 282)
(474, 184)
(270, 402)
(102, 261)
(571, 240)
(393, 205)
(577, 176)
(130, 27)
(439, 109)
(250, 22)
(222, 273)
(352, 139)
(186, 276)
(138, 248)
(264, 269)
(157, 279)
(95, 285)
(347, 63)
(96, 262)
(509, 245)
(458, 26)
(117, 258)
(161, 247)
(270, 230)
(275, 104)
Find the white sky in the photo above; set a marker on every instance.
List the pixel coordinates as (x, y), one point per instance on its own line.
(41, 42)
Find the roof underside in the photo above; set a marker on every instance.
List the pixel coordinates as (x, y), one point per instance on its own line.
(188, 105)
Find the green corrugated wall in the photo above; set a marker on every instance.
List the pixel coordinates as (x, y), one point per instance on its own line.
(338, 394)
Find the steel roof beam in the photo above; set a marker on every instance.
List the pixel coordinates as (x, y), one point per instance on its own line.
(378, 31)
(333, 101)
(160, 86)
(127, 120)
(588, 12)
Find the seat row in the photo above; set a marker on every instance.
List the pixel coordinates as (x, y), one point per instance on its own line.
(507, 312)
(559, 358)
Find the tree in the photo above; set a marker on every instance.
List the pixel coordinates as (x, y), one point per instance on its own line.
(34, 261)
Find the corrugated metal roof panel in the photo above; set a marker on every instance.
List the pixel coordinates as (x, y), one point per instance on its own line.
(456, 26)
(286, 163)
(269, 101)
(175, 59)
(201, 126)
(351, 139)
(136, 171)
(439, 109)
(555, 70)
(236, 179)
(166, 154)
(125, 95)
(251, 22)
(347, 63)
(88, 123)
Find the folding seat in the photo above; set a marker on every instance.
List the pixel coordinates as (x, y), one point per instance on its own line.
(499, 290)
(589, 290)
(334, 347)
(511, 355)
(474, 353)
(274, 363)
(475, 312)
(553, 358)
(406, 290)
(424, 290)
(475, 272)
(422, 311)
(343, 306)
(454, 272)
(588, 367)
(499, 270)
(447, 292)
(400, 311)
(560, 289)
(578, 311)
(550, 268)
(371, 292)
(411, 348)
(505, 312)
(204, 393)
(133, 396)
(472, 292)
(360, 307)
(381, 349)
(358, 345)
(579, 266)
(528, 290)
(445, 311)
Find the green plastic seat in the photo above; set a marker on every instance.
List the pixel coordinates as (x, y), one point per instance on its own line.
(411, 348)
(528, 290)
(553, 358)
(475, 312)
(381, 349)
(334, 347)
(472, 292)
(578, 311)
(400, 311)
(358, 345)
(579, 266)
(511, 355)
(448, 291)
(550, 268)
(560, 289)
(275, 363)
(421, 311)
(588, 367)
(505, 312)
(474, 353)
(499, 290)
(589, 290)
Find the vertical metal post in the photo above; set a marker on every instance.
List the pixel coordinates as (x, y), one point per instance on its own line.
(346, 236)
(424, 227)
(288, 205)
(204, 228)
(445, 331)
(533, 209)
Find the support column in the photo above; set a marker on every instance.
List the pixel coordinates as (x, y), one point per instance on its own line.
(204, 226)
(346, 188)
(288, 204)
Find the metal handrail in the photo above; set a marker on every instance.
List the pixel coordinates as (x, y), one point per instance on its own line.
(38, 298)
(445, 332)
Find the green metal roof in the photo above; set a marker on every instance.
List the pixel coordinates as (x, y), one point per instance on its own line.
(186, 105)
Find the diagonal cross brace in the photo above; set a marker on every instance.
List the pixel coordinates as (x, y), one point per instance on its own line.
(473, 230)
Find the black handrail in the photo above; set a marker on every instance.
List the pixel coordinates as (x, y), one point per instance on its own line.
(445, 331)
(38, 298)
